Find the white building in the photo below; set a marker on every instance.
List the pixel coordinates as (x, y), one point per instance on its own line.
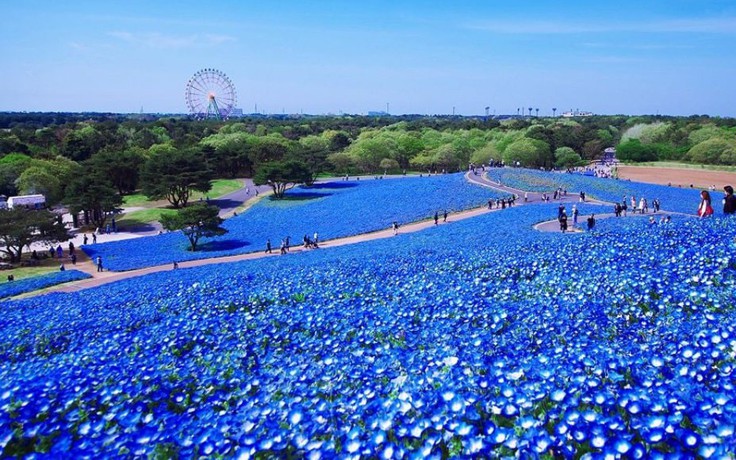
(27, 201)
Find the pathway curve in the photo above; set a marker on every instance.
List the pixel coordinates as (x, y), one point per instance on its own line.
(100, 278)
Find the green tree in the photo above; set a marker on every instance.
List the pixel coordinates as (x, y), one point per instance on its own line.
(94, 195)
(565, 157)
(282, 176)
(174, 174)
(528, 152)
(341, 162)
(38, 179)
(634, 150)
(714, 151)
(21, 227)
(196, 221)
(122, 167)
(389, 164)
(11, 167)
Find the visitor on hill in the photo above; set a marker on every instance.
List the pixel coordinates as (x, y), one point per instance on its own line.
(436, 217)
(176, 265)
(52, 253)
(71, 248)
(94, 238)
(282, 249)
(444, 216)
(526, 197)
(316, 239)
(655, 204)
(624, 206)
(74, 259)
(11, 277)
(490, 204)
(563, 221)
(99, 264)
(59, 252)
(287, 240)
(705, 209)
(85, 239)
(560, 211)
(591, 222)
(268, 246)
(114, 226)
(582, 196)
(574, 215)
(642, 205)
(395, 227)
(729, 201)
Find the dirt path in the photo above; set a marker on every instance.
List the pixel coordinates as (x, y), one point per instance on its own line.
(678, 177)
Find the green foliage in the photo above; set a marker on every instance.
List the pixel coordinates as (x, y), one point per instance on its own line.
(196, 221)
(173, 174)
(122, 167)
(528, 152)
(20, 227)
(714, 151)
(282, 176)
(565, 157)
(634, 150)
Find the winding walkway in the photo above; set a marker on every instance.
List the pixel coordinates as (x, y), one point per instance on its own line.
(240, 197)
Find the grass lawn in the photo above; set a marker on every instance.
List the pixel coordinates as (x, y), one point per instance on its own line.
(142, 216)
(220, 187)
(675, 164)
(155, 209)
(46, 266)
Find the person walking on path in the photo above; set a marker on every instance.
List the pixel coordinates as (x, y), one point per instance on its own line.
(574, 215)
(705, 209)
(444, 216)
(99, 264)
(395, 227)
(436, 217)
(85, 239)
(591, 222)
(563, 221)
(268, 246)
(94, 238)
(74, 259)
(59, 252)
(729, 201)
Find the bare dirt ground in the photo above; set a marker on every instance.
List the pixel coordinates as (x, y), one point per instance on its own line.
(678, 177)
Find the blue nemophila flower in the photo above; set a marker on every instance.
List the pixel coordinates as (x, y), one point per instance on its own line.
(511, 342)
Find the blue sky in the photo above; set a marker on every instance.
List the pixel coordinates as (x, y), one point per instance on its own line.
(671, 57)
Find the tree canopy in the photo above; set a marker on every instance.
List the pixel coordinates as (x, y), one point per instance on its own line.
(196, 221)
(173, 174)
(282, 176)
(21, 227)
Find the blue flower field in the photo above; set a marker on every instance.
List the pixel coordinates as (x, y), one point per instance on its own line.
(333, 210)
(673, 199)
(479, 337)
(13, 288)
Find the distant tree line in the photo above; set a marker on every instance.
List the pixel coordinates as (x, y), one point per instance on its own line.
(89, 161)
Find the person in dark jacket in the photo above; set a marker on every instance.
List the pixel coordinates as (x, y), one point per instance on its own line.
(729, 201)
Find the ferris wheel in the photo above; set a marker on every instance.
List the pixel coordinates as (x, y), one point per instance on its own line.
(210, 94)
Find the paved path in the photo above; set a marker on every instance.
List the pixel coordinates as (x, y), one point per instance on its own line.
(100, 278)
